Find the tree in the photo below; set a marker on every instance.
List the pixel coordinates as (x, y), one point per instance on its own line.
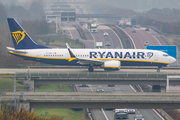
(18, 12)
(3, 13)
(37, 7)
(24, 115)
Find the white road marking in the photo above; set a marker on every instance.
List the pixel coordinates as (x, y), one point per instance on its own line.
(104, 114)
(93, 38)
(158, 114)
(132, 88)
(90, 87)
(101, 108)
(152, 109)
(130, 38)
(118, 38)
(157, 40)
(69, 32)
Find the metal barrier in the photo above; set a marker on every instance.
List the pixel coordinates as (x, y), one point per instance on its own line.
(113, 96)
(95, 75)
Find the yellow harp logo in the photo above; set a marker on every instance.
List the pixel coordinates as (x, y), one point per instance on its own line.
(18, 36)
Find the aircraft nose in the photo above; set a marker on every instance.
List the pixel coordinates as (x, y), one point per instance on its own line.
(172, 60)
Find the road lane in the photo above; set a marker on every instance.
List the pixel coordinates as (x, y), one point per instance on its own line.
(137, 40)
(122, 87)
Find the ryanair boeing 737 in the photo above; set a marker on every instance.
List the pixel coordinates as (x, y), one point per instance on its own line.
(110, 59)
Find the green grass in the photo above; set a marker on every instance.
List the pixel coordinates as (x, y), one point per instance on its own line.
(7, 84)
(55, 88)
(59, 41)
(66, 88)
(48, 88)
(174, 41)
(7, 75)
(67, 114)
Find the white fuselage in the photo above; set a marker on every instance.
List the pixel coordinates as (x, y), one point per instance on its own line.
(126, 56)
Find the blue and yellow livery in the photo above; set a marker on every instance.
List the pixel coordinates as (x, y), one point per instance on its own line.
(109, 59)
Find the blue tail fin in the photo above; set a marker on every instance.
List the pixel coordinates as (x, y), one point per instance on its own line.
(20, 38)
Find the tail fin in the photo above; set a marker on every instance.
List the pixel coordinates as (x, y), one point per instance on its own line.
(20, 38)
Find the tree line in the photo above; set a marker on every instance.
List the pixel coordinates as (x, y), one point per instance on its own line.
(136, 4)
(164, 27)
(30, 19)
(6, 114)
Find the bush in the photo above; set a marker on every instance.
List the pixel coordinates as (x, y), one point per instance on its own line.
(24, 115)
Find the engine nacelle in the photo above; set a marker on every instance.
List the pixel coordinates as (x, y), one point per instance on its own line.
(112, 65)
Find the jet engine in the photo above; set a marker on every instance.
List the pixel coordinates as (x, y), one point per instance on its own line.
(112, 65)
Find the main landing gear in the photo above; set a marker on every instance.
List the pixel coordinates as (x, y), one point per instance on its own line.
(91, 69)
(158, 70)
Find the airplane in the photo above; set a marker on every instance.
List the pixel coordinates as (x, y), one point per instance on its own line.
(109, 59)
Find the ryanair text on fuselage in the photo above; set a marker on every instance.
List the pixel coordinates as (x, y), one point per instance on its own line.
(139, 55)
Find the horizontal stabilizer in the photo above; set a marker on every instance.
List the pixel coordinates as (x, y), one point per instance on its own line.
(16, 51)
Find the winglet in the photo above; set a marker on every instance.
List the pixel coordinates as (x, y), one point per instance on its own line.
(73, 57)
(68, 46)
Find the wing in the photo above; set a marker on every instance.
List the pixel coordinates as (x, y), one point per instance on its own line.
(90, 61)
(16, 51)
(83, 61)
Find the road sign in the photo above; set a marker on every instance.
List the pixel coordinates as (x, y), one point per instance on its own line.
(171, 50)
(68, 16)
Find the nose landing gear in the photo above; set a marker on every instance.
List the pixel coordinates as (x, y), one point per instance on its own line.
(158, 70)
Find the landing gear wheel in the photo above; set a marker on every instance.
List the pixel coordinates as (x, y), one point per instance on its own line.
(91, 69)
(158, 70)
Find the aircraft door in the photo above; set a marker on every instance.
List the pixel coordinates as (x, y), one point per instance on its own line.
(156, 56)
(38, 56)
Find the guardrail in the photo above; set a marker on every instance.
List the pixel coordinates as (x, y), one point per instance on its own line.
(126, 41)
(107, 96)
(94, 75)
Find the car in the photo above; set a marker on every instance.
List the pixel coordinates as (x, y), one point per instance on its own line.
(146, 43)
(131, 111)
(117, 90)
(110, 85)
(83, 85)
(105, 34)
(147, 29)
(133, 31)
(123, 26)
(137, 27)
(121, 110)
(100, 89)
(108, 44)
(138, 117)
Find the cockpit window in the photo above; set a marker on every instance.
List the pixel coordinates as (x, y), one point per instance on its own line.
(165, 55)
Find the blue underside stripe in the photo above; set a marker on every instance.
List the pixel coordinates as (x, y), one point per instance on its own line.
(111, 68)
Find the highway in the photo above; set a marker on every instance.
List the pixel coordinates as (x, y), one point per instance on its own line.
(147, 113)
(73, 34)
(112, 38)
(141, 36)
(139, 39)
(125, 88)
